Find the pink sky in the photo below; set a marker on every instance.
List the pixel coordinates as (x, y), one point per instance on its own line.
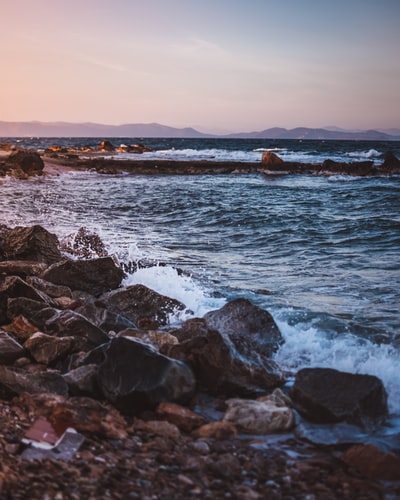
(221, 65)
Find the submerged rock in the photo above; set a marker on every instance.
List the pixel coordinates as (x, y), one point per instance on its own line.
(329, 396)
(134, 376)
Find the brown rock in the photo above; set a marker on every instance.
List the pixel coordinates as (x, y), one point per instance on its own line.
(373, 462)
(10, 349)
(85, 243)
(50, 289)
(158, 428)
(95, 276)
(23, 164)
(21, 328)
(269, 158)
(184, 418)
(216, 430)
(22, 268)
(106, 146)
(46, 348)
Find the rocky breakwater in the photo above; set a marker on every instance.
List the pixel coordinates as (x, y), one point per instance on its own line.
(274, 165)
(100, 395)
(20, 163)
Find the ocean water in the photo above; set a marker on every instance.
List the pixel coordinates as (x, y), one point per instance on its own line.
(322, 254)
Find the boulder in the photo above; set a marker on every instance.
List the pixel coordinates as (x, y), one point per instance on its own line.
(10, 349)
(82, 380)
(95, 276)
(241, 320)
(185, 419)
(46, 349)
(361, 168)
(84, 243)
(328, 396)
(14, 381)
(233, 367)
(21, 328)
(269, 415)
(72, 324)
(155, 338)
(106, 146)
(22, 268)
(30, 243)
(134, 377)
(373, 462)
(391, 163)
(138, 301)
(24, 164)
(34, 311)
(269, 158)
(15, 287)
(103, 318)
(50, 289)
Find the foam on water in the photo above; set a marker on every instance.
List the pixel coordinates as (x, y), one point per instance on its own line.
(308, 346)
(167, 281)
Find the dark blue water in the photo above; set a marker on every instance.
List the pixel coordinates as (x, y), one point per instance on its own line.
(322, 254)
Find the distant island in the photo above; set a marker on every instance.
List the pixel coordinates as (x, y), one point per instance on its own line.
(65, 129)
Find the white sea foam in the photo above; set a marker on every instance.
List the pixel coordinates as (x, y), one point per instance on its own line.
(167, 281)
(371, 153)
(308, 346)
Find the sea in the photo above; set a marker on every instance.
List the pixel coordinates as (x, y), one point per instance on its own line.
(321, 254)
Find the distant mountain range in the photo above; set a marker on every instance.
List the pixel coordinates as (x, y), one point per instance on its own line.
(139, 130)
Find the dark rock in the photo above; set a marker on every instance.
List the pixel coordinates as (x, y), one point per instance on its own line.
(391, 163)
(268, 158)
(240, 319)
(134, 377)
(138, 301)
(50, 289)
(95, 276)
(82, 381)
(34, 311)
(46, 349)
(106, 146)
(327, 395)
(15, 287)
(22, 268)
(10, 349)
(30, 243)
(104, 319)
(14, 381)
(373, 462)
(342, 168)
(22, 164)
(232, 366)
(85, 243)
(185, 419)
(72, 324)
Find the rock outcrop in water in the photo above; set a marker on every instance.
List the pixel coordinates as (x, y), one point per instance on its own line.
(78, 349)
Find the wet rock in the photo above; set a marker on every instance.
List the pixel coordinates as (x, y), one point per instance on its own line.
(84, 243)
(72, 324)
(241, 320)
(184, 418)
(50, 289)
(106, 146)
(133, 376)
(22, 268)
(34, 311)
(260, 417)
(216, 430)
(103, 318)
(95, 276)
(23, 164)
(158, 428)
(15, 287)
(10, 349)
(45, 348)
(138, 301)
(391, 163)
(155, 338)
(227, 366)
(373, 462)
(14, 381)
(327, 395)
(361, 168)
(32, 244)
(82, 381)
(269, 158)
(21, 328)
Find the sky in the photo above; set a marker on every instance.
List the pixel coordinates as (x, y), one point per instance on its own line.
(216, 65)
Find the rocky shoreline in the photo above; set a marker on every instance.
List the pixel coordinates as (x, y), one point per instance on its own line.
(23, 164)
(101, 396)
